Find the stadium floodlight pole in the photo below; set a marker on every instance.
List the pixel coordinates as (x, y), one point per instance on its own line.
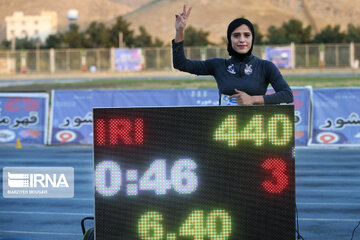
(120, 40)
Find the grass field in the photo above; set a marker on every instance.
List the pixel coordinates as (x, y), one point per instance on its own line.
(196, 82)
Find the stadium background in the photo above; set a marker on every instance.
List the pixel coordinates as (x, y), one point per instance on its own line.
(327, 179)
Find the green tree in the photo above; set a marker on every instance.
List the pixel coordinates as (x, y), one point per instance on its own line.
(330, 35)
(291, 31)
(353, 33)
(5, 44)
(276, 35)
(144, 39)
(195, 37)
(25, 43)
(53, 41)
(158, 43)
(97, 36)
(258, 35)
(22, 43)
(295, 32)
(121, 25)
(73, 38)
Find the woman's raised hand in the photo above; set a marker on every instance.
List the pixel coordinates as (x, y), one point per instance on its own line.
(182, 18)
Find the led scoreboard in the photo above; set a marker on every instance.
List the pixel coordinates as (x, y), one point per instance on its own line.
(197, 173)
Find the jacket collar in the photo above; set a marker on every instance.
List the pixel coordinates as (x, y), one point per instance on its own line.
(244, 60)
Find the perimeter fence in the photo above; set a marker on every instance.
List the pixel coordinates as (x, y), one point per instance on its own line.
(160, 58)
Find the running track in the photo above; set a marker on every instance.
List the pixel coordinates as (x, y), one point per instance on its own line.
(327, 194)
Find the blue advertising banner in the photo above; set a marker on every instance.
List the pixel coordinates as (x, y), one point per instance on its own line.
(23, 116)
(336, 118)
(71, 119)
(280, 56)
(128, 59)
(302, 103)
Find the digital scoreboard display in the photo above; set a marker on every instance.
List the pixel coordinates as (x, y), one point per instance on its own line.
(197, 173)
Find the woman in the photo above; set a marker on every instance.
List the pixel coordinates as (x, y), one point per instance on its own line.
(243, 77)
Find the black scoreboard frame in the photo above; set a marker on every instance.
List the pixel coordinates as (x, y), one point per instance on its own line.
(176, 173)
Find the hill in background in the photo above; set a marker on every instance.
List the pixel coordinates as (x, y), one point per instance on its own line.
(214, 15)
(157, 16)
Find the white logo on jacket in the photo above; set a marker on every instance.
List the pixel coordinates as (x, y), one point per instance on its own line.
(231, 69)
(248, 70)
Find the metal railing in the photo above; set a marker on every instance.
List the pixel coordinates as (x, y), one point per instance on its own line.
(76, 60)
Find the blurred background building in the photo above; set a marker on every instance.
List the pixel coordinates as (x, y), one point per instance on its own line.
(31, 26)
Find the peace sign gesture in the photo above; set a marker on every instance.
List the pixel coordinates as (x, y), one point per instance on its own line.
(181, 19)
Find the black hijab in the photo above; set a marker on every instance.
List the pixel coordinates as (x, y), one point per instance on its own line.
(232, 26)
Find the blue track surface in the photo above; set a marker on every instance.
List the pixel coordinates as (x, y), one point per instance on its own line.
(327, 194)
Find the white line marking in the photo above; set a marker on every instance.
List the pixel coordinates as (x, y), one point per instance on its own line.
(46, 213)
(45, 233)
(324, 165)
(319, 190)
(52, 199)
(330, 219)
(83, 199)
(329, 180)
(345, 204)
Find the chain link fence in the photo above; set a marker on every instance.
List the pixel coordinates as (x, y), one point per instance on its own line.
(307, 56)
(76, 60)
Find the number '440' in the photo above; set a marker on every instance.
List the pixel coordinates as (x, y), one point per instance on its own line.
(279, 130)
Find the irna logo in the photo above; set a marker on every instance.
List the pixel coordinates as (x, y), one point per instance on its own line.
(21, 180)
(38, 182)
